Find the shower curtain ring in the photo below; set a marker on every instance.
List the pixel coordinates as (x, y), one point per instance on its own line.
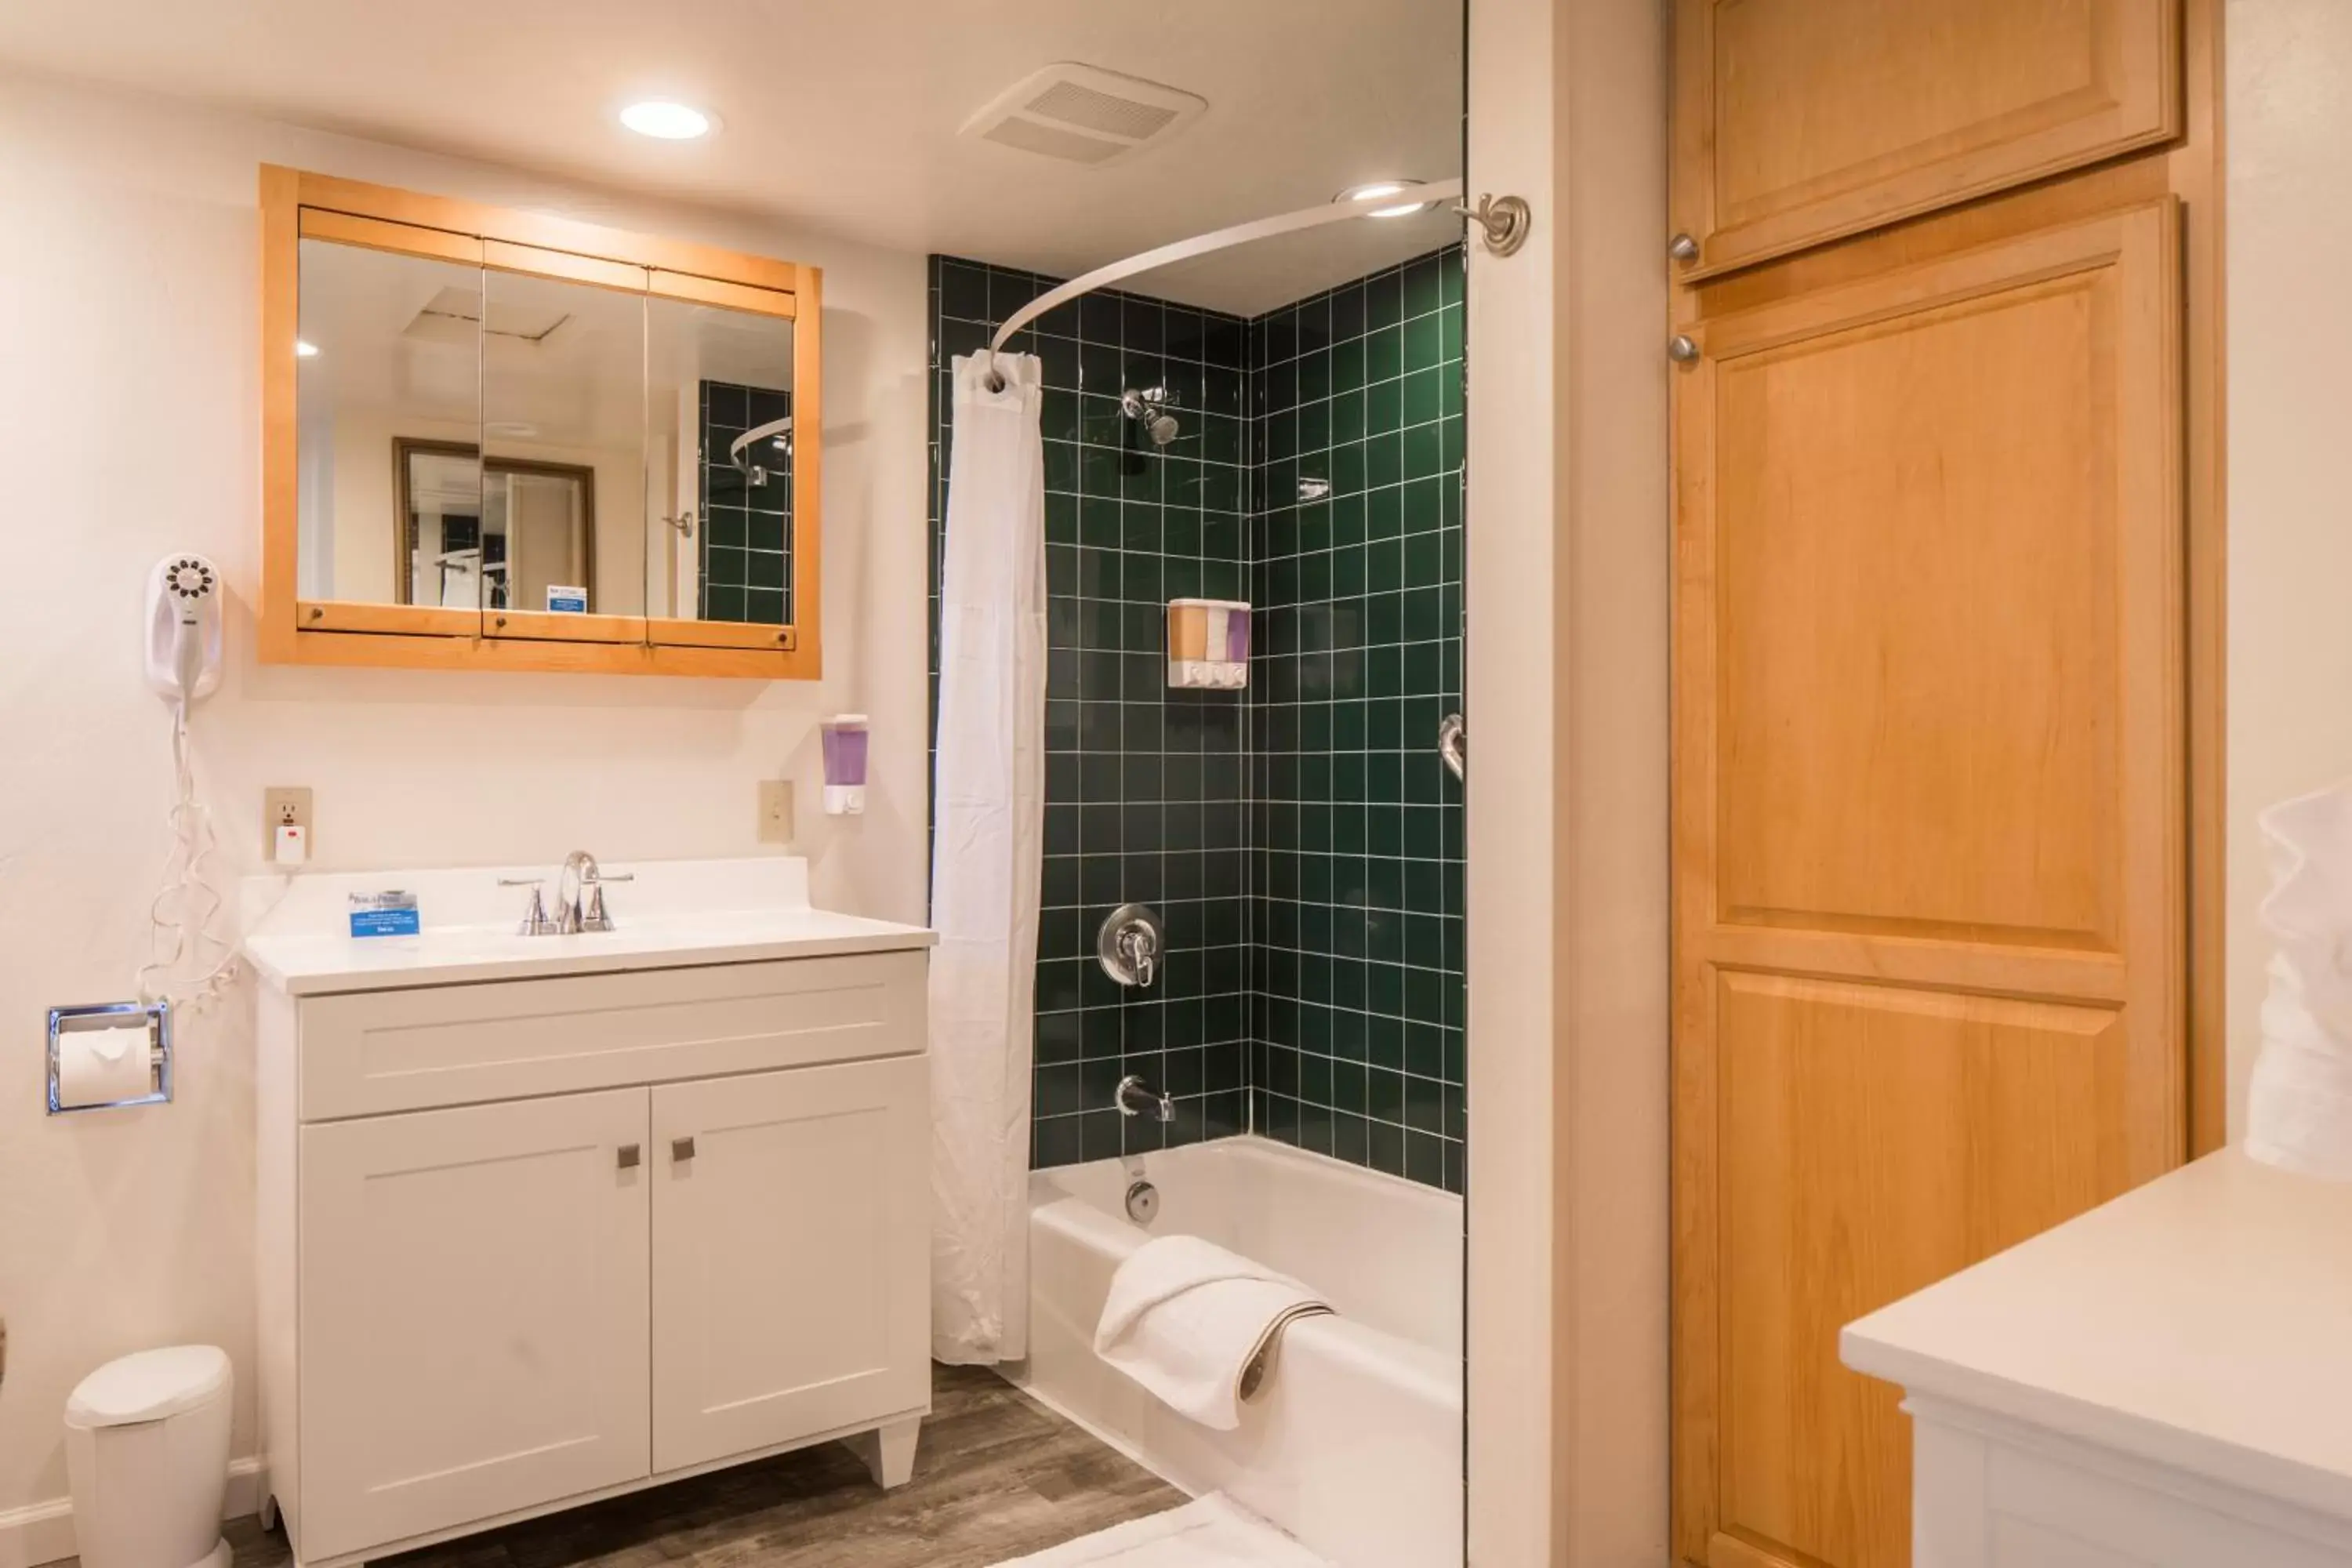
(995, 374)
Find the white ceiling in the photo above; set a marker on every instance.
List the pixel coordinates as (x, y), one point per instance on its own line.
(842, 114)
(579, 380)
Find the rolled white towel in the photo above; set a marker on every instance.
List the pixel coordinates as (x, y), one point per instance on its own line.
(1189, 1319)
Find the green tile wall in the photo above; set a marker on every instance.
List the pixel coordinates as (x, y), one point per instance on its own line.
(747, 536)
(1303, 839)
(1357, 875)
(1144, 786)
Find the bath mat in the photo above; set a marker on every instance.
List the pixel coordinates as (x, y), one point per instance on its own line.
(1209, 1533)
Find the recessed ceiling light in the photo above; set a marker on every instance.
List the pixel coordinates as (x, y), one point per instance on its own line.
(304, 350)
(671, 121)
(1374, 190)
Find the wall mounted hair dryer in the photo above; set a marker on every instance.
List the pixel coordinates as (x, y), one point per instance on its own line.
(184, 628)
(190, 955)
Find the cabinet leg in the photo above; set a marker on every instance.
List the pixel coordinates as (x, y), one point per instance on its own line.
(888, 1451)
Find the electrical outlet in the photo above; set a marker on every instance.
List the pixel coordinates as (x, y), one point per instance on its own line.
(285, 806)
(775, 811)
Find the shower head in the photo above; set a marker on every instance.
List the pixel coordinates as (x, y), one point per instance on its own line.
(1149, 408)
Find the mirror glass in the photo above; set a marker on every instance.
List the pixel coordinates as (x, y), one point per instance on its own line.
(564, 469)
(720, 427)
(388, 390)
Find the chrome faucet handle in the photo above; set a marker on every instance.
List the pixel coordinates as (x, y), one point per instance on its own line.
(1137, 944)
(593, 916)
(534, 921)
(1130, 945)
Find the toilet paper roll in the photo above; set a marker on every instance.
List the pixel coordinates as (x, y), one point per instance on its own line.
(103, 1066)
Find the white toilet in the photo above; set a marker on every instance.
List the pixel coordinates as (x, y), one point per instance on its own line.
(147, 1452)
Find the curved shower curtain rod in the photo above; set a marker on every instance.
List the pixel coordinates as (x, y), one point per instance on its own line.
(1204, 245)
(776, 427)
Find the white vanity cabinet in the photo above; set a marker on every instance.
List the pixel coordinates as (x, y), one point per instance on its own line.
(527, 1243)
(2162, 1382)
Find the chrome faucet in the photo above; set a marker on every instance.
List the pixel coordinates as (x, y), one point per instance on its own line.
(1135, 1096)
(579, 897)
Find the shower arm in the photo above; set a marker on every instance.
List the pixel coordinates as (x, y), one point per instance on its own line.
(1444, 191)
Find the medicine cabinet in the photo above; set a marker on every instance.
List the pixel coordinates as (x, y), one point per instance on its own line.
(501, 440)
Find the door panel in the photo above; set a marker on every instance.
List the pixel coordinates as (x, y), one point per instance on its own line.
(1929, 832)
(1800, 120)
(1961, 596)
(1962, 1125)
(473, 1314)
(791, 1256)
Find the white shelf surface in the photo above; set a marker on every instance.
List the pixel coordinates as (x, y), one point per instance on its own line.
(2203, 1322)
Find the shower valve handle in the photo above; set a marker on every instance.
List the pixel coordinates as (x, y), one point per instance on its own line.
(1130, 945)
(1135, 942)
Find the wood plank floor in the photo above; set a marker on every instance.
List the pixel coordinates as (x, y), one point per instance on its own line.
(996, 1476)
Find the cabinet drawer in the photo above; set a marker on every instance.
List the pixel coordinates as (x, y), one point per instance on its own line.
(368, 1052)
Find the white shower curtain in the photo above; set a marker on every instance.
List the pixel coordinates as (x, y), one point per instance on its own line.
(987, 862)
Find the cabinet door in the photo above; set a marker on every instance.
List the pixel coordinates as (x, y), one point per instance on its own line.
(792, 1252)
(1929, 833)
(1800, 120)
(473, 1314)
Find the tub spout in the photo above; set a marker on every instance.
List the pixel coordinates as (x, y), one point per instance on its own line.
(1135, 1096)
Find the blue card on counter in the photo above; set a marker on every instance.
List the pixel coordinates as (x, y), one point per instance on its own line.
(383, 914)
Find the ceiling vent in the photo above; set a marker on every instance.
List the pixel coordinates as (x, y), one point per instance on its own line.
(1084, 115)
(452, 315)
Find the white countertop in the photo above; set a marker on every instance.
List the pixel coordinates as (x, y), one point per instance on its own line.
(2203, 1321)
(675, 914)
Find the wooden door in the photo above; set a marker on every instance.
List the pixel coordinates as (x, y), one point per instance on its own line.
(473, 1314)
(1800, 120)
(792, 1256)
(1929, 830)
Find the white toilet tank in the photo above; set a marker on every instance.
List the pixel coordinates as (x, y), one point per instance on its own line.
(147, 1451)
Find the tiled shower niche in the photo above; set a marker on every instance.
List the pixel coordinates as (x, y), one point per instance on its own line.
(1301, 838)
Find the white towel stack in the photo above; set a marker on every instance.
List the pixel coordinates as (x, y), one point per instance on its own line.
(1188, 1319)
(2299, 1101)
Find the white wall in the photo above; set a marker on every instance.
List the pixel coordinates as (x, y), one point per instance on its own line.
(1567, 588)
(2289, 118)
(128, 390)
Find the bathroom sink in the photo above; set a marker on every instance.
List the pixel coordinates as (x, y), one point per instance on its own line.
(671, 914)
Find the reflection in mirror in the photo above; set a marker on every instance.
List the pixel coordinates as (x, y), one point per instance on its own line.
(466, 529)
(564, 482)
(721, 436)
(388, 365)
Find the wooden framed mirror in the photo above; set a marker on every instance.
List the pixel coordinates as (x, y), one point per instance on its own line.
(492, 439)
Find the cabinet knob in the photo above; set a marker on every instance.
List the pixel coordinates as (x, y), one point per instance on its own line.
(629, 1156)
(681, 1148)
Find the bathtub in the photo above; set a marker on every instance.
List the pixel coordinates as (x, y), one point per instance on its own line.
(1355, 1445)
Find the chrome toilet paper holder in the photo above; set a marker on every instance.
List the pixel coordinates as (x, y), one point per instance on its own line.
(96, 1016)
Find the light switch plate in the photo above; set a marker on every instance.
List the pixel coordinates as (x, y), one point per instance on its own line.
(283, 805)
(775, 811)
